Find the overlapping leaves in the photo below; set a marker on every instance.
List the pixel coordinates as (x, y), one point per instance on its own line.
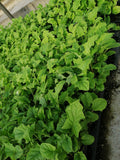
(52, 63)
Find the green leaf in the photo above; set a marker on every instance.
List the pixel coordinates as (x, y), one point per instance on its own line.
(82, 64)
(47, 151)
(53, 97)
(0, 105)
(99, 104)
(59, 86)
(93, 14)
(76, 4)
(83, 84)
(87, 46)
(91, 116)
(39, 18)
(41, 114)
(79, 156)
(61, 122)
(67, 124)
(91, 3)
(87, 139)
(75, 111)
(67, 143)
(4, 139)
(76, 145)
(13, 152)
(74, 115)
(76, 128)
(86, 99)
(52, 21)
(34, 153)
(21, 132)
(109, 67)
(51, 63)
(116, 10)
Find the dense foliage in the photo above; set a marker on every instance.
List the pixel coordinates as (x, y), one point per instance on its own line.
(52, 65)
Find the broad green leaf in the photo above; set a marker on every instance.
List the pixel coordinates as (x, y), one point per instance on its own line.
(53, 97)
(74, 115)
(87, 139)
(61, 122)
(34, 153)
(50, 126)
(93, 14)
(76, 4)
(99, 104)
(71, 27)
(79, 156)
(21, 132)
(52, 21)
(83, 84)
(62, 10)
(82, 23)
(63, 96)
(73, 79)
(75, 111)
(76, 145)
(41, 114)
(80, 31)
(59, 86)
(116, 10)
(82, 64)
(42, 101)
(47, 151)
(13, 152)
(4, 139)
(51, 63)
(76, 128)
(86, 99)
(109, 67)
(87, 46)
(67, 124)
(91, 3)
(68, 4)
(39, 18)
(67, 143)
(91, 116)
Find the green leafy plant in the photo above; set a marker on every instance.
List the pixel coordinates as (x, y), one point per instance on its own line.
(52, 66)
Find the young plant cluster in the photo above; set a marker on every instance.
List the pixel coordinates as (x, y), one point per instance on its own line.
(52, 65)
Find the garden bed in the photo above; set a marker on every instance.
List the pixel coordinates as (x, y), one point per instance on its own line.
(53, 67)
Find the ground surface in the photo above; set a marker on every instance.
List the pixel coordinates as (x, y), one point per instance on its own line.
(19, 8)
(113, 135)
